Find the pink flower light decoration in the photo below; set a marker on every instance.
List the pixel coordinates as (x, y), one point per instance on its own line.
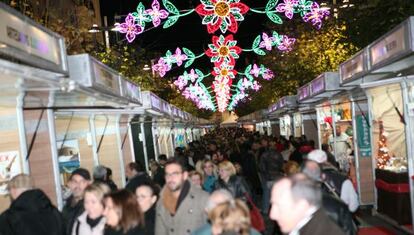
(161, 67)
(179, 57)
(129, 27)
(255, 71)
(268, 74)
(181, 82)
(156, 14)
(256, 86)
(316, 15)
(288, 7)
(192, 76)
(267, 42)
(286, 44)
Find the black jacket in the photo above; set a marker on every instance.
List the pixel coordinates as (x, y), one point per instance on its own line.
(150, 221)
(70, 213)
(31, 213)
(271, 165)
(334, 178)
(320, 223)
(338, 211)
(236, 185)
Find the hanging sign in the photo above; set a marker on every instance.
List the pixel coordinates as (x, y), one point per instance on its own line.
(352, 67)
(318, 85)
(304, 92)
(363, 136)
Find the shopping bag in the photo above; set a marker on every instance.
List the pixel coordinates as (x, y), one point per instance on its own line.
(256, 217)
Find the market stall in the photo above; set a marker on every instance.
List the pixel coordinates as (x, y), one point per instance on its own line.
(390, 59)
(29, 73)
(283, 110)
(306, 120)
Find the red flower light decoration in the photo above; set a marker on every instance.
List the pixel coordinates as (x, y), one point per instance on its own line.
(222, 14)
(223, 49)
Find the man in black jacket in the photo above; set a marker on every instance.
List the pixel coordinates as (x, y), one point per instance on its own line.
(336, 209)
(136, 175)
(30, 212)
(78, 181)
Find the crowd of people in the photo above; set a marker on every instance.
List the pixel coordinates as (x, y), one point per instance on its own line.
(213, 186)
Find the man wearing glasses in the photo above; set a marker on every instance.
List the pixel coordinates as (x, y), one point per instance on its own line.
(180, 209)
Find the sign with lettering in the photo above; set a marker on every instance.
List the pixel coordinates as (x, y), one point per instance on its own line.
(132, 91)
(318, 85)
(352, 67)
(390, 46)
(106, 78)
(304, 92)
(155, 102)
(363, 136)
(26, 36)
(282, 102)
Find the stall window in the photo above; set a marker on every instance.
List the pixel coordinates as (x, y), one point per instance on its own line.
(388, 128)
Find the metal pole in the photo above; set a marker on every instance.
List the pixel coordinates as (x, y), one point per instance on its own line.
(120, 151)
(55, 161)
(106, 33)
(356, 147)
(93, 139)
(144, 146)
(22, 133)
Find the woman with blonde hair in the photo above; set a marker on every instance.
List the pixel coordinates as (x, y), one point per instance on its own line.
(232, 182)
(209, 171)
(91, 221)
(123, 214)
(230, 217)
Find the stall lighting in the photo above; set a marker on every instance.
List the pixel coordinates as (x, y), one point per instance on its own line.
(94, 29)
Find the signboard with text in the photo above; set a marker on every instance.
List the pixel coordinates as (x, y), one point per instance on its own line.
(363, 136)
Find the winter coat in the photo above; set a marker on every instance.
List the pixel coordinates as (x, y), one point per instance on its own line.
(137, 181)
(70, 213)
(189, 216)
(150, 221)
(81, 227)
(320, 224)
(236, 185)
(134, 231)
(209, 182)
(31, 213)
(338, 211)
(271, 165)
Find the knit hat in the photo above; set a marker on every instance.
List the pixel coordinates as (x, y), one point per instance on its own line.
(81, 172)
(318, 156)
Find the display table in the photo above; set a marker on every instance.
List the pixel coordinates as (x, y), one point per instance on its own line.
(393, 195)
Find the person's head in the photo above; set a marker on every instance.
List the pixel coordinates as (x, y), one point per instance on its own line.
(212, 146)
(19, 184)
(175, 175)
(291, 200)
(196, 178)
(208, 167)
(264, 142)
(133, 168)
(230, 217)
(162, 159)
(318, 156)
(94, 199)
(122, 211)
(325, 147)
(147, 195)
(226, 169)
(79, 180)
(108, 173)
(217, 197)
(99, 173)
(338, 130)
(312, 170)
(291, 167)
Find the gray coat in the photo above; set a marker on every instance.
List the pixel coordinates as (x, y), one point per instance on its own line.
(189, 216)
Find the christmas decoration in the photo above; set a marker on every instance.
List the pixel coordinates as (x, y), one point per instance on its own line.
(223, 51)
(383, 157)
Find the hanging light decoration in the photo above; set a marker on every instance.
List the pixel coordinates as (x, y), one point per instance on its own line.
(223, 16)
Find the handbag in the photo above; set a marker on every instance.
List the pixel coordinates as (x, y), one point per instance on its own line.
(256, 217)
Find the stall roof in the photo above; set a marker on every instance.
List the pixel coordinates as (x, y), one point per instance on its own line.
(154, 104)
(25, 40)
(131, 91)
(354, 68)
(393, 53)
(284, 104)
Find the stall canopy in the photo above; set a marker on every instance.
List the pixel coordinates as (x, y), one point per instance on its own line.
(155, 106)
(229, 119)
(353, 69)
(283, 105)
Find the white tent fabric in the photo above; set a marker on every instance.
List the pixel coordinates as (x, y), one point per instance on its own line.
(385, 100)
(229, 119)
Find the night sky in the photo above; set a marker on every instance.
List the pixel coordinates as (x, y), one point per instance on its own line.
(188, 31)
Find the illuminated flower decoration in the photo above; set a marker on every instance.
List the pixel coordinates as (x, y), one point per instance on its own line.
(162, 67)
(316, 15)
(140, 16)
(222, 14)
(224, 70)
(192, 76)
(268, 74)
(246, 84)
(156, 14)
(223, 49)
(255, 71)
(179, 57)
(267, 42)
(287, 7)
(181, 82)
(256, 86)
(129, 27)
(286, 44)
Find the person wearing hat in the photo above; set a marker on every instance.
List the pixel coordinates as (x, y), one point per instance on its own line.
(78, 181)
(338, 184)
